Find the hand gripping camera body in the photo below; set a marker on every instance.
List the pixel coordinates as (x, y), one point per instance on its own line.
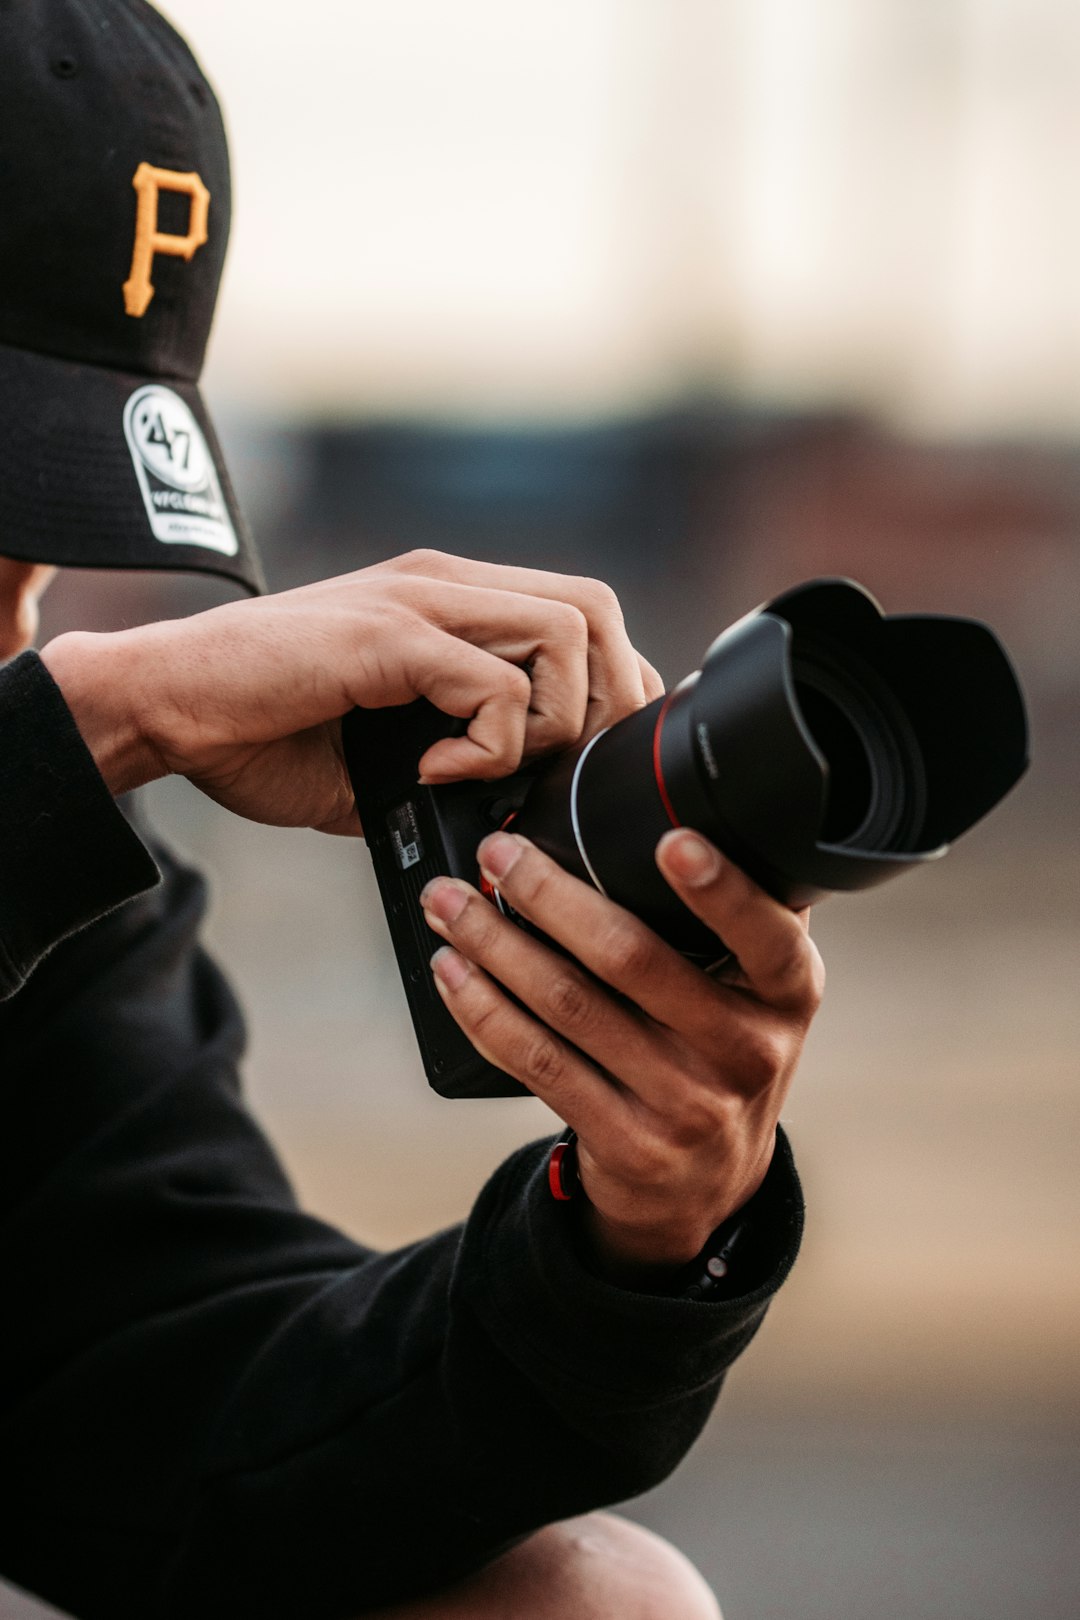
(821, 745)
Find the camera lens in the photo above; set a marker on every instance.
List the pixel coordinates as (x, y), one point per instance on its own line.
(875, 784)
(820, 745)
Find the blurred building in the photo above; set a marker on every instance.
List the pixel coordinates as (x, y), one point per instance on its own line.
(591, 206)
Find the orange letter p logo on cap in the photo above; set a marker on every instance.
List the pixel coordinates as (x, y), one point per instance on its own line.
(149, 183)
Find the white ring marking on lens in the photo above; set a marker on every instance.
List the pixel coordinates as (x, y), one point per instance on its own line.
(573, 811)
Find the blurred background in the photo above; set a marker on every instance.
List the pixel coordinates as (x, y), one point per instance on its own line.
(705, 297)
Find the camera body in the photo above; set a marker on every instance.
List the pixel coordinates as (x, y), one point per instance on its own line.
(822, 746)
(415, 833)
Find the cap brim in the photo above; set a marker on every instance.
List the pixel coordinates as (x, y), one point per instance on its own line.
(75, 489)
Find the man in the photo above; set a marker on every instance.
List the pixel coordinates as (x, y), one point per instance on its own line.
(211, 1403)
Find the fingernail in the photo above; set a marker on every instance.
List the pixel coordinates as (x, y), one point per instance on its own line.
(451, 968)
(445, 899)
(497, 854)
(689, 858)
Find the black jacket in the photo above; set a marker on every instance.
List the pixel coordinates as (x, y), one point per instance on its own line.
(211, 1403)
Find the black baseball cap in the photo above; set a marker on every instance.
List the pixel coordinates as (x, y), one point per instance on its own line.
(114, 219)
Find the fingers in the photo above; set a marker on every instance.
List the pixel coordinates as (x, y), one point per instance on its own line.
(780, 964)
(564, 997)
(515, 1042)
(549, 638)
(652, 683)
(606, 939)
(463, 680)
(616, 679)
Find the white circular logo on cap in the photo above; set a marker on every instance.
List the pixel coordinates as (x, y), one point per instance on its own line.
(168, 438)
(176, 473)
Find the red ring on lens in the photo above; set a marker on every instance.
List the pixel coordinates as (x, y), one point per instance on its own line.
(658, 769)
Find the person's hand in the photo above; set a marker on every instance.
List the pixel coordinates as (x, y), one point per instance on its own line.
(672, 1079)
(246, 699)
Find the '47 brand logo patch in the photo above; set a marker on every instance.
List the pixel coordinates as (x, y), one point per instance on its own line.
(176, 472)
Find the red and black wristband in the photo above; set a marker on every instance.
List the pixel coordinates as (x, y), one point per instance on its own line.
(563, 1178)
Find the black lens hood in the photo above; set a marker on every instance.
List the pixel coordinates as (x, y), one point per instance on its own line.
(737, 755)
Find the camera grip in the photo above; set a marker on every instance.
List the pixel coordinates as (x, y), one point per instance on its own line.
(414, 834)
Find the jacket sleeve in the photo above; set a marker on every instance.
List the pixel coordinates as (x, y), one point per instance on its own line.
(67, 855)
(212, 1403)
(524, 1391)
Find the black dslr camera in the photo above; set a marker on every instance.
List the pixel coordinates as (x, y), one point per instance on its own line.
(821, 745)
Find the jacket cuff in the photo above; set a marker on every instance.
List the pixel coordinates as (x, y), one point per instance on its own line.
(69, 856)
(557, 1321)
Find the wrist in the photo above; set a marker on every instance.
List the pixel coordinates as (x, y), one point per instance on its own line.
(635, 1257)
(657, 1254)
(721, 1267)
(98, 678)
